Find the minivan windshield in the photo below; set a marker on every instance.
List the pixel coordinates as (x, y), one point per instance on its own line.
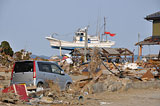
(26, 66)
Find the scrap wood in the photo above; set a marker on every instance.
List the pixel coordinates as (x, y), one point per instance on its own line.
(95, 63)
(31, 87)
(81, 83)
(2, 77)
(51, 87)
(76, 86)
(147, 76)
(120, 75)
(99, 73)
(46, 100)
(59, 105)
(7, 71)
(86, 79)
(154, 64)
(85, 73)
(9, 98)
(38, 93)
(108, 69)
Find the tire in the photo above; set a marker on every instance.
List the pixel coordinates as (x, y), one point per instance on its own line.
(67, 86)
(40, 86)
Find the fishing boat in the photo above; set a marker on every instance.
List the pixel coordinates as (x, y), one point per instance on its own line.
(79, 41)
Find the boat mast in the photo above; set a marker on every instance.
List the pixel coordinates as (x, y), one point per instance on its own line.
(103, 34)
(105, 27)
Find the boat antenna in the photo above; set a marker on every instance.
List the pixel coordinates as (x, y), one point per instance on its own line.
(97, 29)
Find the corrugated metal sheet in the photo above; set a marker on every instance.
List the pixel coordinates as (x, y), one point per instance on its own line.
(112, 51)
(108, 51)
(153, 16)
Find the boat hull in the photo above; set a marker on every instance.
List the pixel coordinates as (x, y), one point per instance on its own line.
(65, 45)
(65, 48)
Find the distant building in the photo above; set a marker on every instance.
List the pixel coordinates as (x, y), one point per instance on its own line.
(55, 58)
(155, 38)
(150, 56)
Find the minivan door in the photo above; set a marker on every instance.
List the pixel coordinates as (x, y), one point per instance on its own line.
(23, 72)
(45, 72)
(60, 79)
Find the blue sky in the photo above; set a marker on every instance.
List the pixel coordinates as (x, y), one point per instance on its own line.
(26, 23)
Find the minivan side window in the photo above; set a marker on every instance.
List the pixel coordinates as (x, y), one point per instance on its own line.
(44, 67)
(55, 69)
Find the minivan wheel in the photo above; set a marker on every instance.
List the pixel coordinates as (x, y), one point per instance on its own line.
(67, 86)
(40, 84)
(40, 87)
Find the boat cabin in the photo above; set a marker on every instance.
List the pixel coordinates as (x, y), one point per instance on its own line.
(80, 37)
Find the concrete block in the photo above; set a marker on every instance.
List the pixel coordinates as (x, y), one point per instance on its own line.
(98, 87)
(115, 87)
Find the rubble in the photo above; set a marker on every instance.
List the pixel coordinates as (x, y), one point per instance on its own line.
(93, 77)
(9, 98)
(16, 90)
(147, 76)
(2, 77)
(132, 66)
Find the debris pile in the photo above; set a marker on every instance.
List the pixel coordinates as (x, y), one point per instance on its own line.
(100, 73)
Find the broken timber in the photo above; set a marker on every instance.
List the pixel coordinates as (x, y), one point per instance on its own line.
(98, 74)
(113, 65)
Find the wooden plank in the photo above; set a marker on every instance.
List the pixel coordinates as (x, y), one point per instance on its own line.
(31, 87)
(97, 75)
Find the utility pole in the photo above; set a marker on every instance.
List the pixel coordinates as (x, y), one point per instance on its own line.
(60, 45)
(60, 48)
(105, 27)
(86, 44)
(138, 48)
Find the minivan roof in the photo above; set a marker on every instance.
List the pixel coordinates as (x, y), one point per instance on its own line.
(37, 61)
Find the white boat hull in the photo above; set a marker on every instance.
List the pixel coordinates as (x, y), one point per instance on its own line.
(55, 43)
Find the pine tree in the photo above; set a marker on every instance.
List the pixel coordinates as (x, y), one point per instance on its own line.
(6, 49)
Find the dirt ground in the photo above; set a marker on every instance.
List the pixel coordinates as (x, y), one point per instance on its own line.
(132, 97)
(138, 97)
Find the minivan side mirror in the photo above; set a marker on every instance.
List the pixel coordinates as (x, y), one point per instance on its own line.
(62, 73)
